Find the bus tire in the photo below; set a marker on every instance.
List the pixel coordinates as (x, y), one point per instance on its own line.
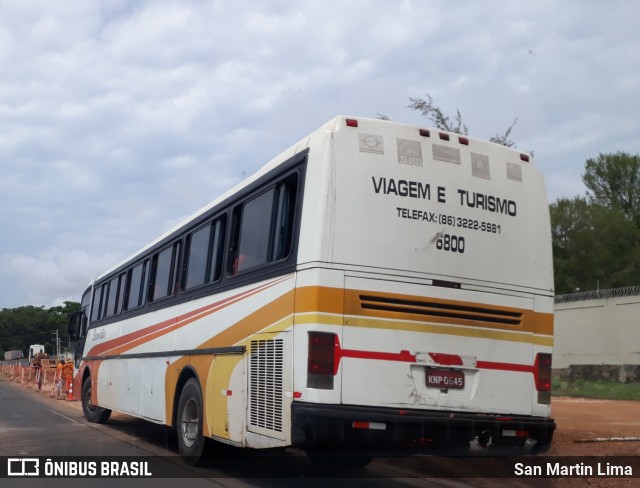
(92, 413)
(189, 422)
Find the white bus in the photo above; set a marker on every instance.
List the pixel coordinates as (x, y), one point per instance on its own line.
(377, 286)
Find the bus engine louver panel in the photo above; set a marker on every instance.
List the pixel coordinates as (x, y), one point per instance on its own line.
(266, 384)
(439, 310)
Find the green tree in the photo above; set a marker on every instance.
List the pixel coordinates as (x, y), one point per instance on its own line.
(613, 181)
(22, 326)
(593, 246)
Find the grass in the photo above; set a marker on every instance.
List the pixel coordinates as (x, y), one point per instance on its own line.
(608, 390)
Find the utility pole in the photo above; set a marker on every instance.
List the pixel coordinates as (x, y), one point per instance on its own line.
(57, 344)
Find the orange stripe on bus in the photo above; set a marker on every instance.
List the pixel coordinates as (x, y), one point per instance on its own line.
(448, 312)
(320, 299)
(127, 342)
(328, 300)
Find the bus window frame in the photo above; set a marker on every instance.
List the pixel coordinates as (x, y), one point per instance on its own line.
(297, 165)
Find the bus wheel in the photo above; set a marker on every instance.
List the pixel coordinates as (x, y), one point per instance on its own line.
(92, 412)
(189, 422)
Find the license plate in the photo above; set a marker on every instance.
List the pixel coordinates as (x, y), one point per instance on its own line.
(445, 378)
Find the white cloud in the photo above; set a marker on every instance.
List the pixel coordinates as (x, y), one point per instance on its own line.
(117, 118)
(52, 274)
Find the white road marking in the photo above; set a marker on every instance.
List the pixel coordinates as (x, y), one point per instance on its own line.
(65, 417)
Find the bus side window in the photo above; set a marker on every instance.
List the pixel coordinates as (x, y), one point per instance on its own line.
(110, 306)
(217, 249)
(284, 217)
(254, 232)
(121, 293)
(262, 227)
(96, 305)
(135, 286)
(197, 250)
(164, 268)
(232, 263)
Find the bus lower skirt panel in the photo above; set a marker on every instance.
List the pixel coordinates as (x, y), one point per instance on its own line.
(392, 431)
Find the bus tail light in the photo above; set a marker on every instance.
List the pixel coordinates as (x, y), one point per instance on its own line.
(542, 372)
(321, 369)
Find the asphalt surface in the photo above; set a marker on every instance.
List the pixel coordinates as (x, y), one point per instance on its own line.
(34, 424)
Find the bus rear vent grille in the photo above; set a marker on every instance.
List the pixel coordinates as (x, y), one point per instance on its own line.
(440, 310)
(265, 384)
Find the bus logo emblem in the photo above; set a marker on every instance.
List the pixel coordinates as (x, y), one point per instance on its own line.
(371, 143)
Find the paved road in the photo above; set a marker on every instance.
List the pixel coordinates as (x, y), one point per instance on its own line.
(32, 424)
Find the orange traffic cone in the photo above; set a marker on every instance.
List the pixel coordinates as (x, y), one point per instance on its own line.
(70, 390)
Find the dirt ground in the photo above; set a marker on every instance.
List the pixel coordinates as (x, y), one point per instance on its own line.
(580, 419)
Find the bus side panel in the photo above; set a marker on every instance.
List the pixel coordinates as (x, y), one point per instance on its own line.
(230, 320)
(226, 393)
(105, 383)
(152, 374)
(129, 391)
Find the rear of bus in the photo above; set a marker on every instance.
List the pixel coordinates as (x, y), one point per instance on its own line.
(424, 296)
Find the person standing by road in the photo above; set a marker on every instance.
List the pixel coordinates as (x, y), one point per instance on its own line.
(59, 376)
(67, 375)
(37, 364)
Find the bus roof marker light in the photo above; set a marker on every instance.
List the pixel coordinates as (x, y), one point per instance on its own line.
(444, 136)
(463, 140)
(351, 122)
(524, 157)
(425, 133)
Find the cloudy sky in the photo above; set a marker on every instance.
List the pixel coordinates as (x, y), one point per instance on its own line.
(119, 118)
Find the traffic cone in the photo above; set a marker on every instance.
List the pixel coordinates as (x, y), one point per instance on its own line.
(70, 390)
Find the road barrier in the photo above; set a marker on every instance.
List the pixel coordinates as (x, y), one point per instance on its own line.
(39, 378)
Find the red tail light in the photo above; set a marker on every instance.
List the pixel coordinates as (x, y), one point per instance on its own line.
(321, 360)
(542, 371)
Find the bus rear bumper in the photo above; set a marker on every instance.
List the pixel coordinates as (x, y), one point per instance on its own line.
(319, 426)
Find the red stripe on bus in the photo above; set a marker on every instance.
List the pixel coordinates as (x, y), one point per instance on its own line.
(441, 359)
(167, 326)
(402, 356)
(518, 368)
